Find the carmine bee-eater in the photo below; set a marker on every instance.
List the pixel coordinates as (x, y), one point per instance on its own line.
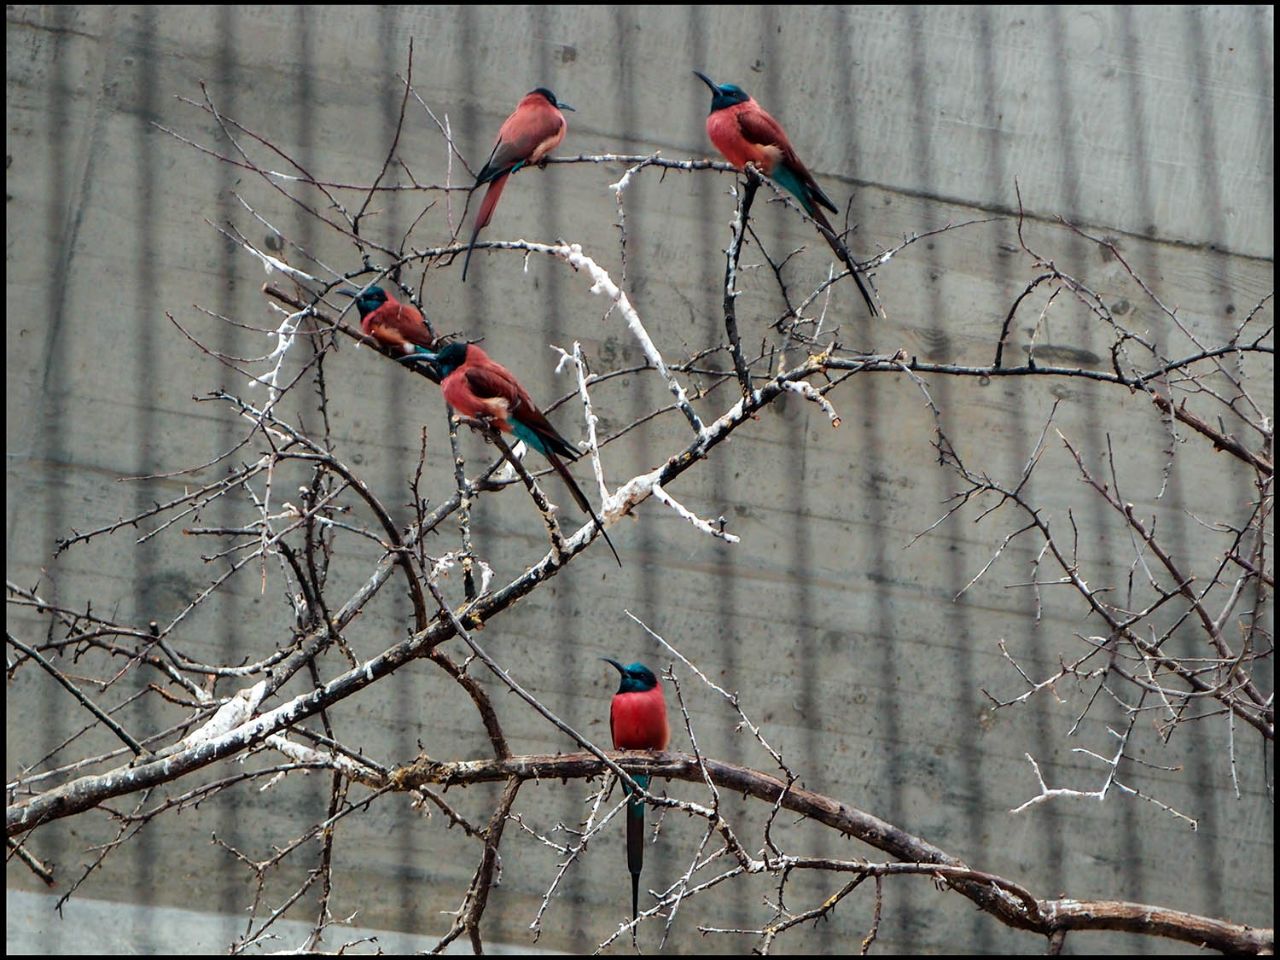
(397, 326)
(484, 390)
(533, 130)
(638, 721)
(744, 132)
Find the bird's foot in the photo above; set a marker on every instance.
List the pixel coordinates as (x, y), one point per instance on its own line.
(480, 424)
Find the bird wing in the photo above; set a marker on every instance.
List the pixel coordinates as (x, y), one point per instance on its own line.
(400, 326)
(505, 156)
(760, 128)
(496, 382)
(397, 325)
(414, 329)
(523, 137)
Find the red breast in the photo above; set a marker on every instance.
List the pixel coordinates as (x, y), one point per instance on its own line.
(725, 132)
(639, 720)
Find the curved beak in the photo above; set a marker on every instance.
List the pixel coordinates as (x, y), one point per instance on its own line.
(343, 291)
(621, 669)
(564, 106)
(707, 80)
(420, 356)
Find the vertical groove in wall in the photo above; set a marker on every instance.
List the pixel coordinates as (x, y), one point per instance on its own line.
(231, 816)
(55, 720)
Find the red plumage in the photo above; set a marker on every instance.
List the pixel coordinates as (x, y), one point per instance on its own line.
(638, 720)
(746, 132)
(397, 326)
(483, 389)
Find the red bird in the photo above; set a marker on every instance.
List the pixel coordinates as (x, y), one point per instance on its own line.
(484, 390)
(533, 130)
(744, 132)
(397, 326)
(638, 721)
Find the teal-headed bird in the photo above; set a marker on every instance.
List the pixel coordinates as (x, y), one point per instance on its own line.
(484, 390)
(397, 326)
(637, 721)
(744, 132)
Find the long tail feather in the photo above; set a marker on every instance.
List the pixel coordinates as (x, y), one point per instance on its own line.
(491, 197)
(581, 500)
(635, 845)
(539, 434)
(483, 215)
(842, 252)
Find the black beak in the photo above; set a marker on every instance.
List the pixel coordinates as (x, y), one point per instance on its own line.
(621, 669)
(422, 356)
(707, 80)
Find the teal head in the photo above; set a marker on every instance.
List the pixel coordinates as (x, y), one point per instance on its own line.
(443, 361)
(723, 94)
(551, 98)
(370, 300)
(636, 677)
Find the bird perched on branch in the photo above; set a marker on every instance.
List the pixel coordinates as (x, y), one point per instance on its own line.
(637, 721)
(484, 390)
(744, 132)
(533, 130)
(397, 326)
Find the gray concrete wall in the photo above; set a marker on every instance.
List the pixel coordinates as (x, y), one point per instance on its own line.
(1153, 126)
